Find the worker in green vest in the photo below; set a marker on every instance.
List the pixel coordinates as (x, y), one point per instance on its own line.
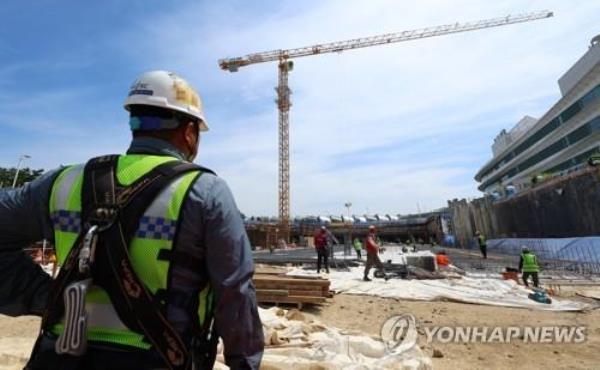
(528, 265)
(481, 242)
(155, 262)
(358, 248)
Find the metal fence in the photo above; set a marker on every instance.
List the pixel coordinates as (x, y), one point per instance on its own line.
(566, 255)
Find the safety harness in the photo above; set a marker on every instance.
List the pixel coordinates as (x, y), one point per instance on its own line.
(109, 220)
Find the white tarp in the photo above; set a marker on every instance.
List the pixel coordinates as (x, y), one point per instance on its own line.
(297, 341)
(469, 289)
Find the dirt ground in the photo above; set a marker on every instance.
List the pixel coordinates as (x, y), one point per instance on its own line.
(367, 314)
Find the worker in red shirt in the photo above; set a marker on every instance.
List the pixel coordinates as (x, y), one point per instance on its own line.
(442, 259)
(321, 247)
(372, 254)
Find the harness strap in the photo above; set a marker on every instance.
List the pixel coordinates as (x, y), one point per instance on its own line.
(133, 301)
(68, 273)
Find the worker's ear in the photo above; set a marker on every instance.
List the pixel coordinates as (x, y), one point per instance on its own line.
(191, 136)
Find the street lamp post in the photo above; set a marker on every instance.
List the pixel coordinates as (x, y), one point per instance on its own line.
(348, 205)
(347, 244)
(21, 159)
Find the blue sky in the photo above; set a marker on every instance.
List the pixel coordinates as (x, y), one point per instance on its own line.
(385, 128)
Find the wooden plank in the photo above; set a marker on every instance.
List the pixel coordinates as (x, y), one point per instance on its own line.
(288, 278)
(261, 278)
(270, 270)
(264, 285)
(272, 288)
(272, 292)
(293, 292)
(294, 299)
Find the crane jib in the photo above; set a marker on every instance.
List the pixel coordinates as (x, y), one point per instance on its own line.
(232, 64)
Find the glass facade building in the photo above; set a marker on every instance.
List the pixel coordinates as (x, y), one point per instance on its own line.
(566, 136)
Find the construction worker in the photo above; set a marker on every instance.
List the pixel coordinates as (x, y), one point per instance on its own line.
(372, 254)
(480, 239)
(442, 259)
(528, 265)
(358, 248)
(321, 246)
(412, 242)
(156, 263)
(445, 264)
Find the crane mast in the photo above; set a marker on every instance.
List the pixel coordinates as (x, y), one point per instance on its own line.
(285, 65)
(283, 103)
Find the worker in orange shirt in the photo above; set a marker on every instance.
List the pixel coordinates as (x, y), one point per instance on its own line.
(442, 259)
(372, 254)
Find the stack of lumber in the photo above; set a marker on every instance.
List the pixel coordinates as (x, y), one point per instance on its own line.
(273, 286)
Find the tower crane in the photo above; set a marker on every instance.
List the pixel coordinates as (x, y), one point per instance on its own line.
(285, 65)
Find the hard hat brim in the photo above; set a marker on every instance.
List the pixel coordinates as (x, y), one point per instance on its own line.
(163, 103)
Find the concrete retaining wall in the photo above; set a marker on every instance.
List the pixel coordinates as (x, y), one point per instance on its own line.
(560, 208)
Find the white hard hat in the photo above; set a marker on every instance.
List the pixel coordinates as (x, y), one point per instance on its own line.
(166, 90)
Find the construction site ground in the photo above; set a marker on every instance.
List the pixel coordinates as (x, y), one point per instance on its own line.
(367, 314)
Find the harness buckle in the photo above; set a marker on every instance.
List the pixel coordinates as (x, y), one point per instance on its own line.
(88, 250)
(72, 340)
(103, 216)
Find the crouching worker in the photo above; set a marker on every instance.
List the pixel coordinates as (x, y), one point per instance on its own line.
(528, 264)
(442, 259)
(445, 264)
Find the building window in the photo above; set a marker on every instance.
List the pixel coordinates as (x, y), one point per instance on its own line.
(595, 124)
(580, 133)
(571, 111)
(590, 97)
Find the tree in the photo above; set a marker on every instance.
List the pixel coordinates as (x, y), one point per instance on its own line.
(7, 176)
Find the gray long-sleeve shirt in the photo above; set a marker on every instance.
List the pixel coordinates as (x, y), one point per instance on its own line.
(211, 229)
